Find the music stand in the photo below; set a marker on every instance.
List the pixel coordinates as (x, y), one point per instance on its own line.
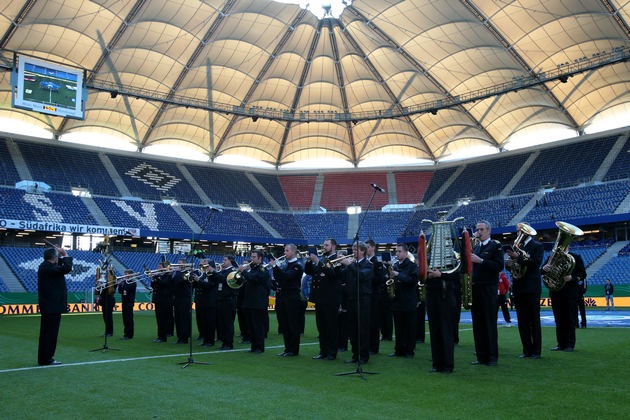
(106, 309)
(359, 370)
(190, 360)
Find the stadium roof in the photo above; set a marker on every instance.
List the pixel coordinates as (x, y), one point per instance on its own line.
(263, 80)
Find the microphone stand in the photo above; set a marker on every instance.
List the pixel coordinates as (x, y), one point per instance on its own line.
(105, 307)
(190, 360)
(359, 370)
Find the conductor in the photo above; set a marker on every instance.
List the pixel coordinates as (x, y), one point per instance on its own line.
(52, 293)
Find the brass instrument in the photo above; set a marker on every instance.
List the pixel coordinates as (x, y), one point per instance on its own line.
(105, 279)
(518, 271)
(561, 263)
(235, 278)
(337, 261)
(390, 283)
(443, 251)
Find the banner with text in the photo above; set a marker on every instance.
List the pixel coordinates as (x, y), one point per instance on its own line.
(67, 227)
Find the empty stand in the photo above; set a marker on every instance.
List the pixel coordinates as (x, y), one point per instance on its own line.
(284, 223)
(411, 187)
(481, 180)
(63, 168)
(229, 223)
(155, 217)
(298, 190)
(8, 173)
(319, 226)
(272, 185)
(438, 179)
(620, 168)
(228, 187)
(580, 202)
(353, 189)
(498, 212)
(384, 226)
(49, 207)
(565, 166)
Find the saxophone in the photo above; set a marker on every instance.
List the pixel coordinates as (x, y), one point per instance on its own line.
(560, 263)
(391, 286)
(517, 270)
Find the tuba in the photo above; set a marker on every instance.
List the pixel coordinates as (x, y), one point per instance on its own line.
(443, 252)
(517, 270)
(561, 263)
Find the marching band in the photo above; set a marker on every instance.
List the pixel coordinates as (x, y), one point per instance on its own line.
(365, 287)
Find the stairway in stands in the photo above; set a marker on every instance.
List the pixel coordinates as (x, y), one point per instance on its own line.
(605, 257)
(9, 278)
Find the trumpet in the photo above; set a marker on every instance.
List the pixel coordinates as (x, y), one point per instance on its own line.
(337, 261)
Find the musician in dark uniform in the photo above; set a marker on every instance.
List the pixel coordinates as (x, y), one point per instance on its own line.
(128, 297)
(487, 259)
(378, 285)
(564, 304)
(52, 294)
(226, 303)
(527, 292)
(182, 290)
(256, 287)
(206, 296)
(326, 295)
(106, 300)
(441, 301)
(288, 282)
(357, 273)
(405, 276)
(162, 299)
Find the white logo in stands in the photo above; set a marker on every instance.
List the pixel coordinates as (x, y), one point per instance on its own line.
(149, 219)
(81, 269)
(153, 177)
(44, 204)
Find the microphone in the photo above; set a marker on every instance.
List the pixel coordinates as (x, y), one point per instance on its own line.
(377, 188)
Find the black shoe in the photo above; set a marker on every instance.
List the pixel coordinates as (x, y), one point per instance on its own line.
(54, 363)
(409, 355)
(319, 357)
(182, 342)
(159, 340)
(125, 338)
(447, 371)
(491, 363)
(569, 349)
(351, 361)
(289, 354)
(393, 355)
(226, 348)
(257, 351)
(281, 354)
(330, 358)
(245, 342)
(477, 362)
(435, 370)
(557, 348)
(523, 356)
(363, 362)
(535, 356)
